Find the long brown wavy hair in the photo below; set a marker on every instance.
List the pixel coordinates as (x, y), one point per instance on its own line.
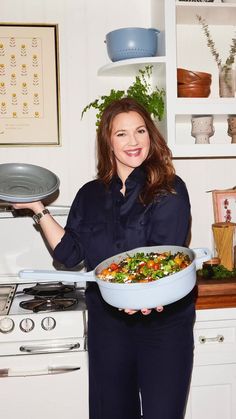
(158, 164)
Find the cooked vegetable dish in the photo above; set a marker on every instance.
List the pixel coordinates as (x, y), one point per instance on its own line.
(143, 267)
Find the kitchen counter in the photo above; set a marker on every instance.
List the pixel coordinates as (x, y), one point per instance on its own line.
(215, 293)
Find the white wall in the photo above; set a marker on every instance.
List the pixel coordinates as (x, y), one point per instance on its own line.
(83, 25)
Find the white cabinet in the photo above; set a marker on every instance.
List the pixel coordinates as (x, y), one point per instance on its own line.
(213, 388)
(182, 44)
(212, 394)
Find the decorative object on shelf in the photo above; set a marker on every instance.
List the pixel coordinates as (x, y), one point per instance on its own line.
(125, 43)
(226, 82)
(232, 127)
(192, 90)
(152, 98)
(223, 234)
(226, 72)
(202, 128)
(224, 205)
(193, 83)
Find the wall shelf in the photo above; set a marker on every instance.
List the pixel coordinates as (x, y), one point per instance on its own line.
(225, 106)
(129, 67)
(182, 46)
(215, 13)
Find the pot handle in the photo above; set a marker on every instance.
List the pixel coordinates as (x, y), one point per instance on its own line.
(42, 276)
(202, 255)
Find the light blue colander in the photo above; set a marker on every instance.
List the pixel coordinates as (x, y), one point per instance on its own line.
(128, 43)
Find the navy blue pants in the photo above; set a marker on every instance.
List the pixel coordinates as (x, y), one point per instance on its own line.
(132, 355)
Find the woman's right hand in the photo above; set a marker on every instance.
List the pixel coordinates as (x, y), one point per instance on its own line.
(36, 206)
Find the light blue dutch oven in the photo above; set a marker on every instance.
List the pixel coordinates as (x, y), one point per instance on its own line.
(127, 43)
(138, 295)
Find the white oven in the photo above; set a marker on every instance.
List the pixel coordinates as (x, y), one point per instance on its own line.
(43, 348)
(44, 386)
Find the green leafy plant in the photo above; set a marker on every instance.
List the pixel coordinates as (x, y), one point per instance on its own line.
(151, 98)
(211, 44)
(218, 271)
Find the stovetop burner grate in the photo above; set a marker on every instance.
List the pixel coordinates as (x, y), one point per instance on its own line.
(38, 304)
(47, 289)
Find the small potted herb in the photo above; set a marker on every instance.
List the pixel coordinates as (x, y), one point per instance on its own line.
(151, 98)
(225, 69)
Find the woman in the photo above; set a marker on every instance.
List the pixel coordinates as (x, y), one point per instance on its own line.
(136, 200)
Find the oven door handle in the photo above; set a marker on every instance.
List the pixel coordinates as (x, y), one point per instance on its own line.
(37, 349)
(7, 372)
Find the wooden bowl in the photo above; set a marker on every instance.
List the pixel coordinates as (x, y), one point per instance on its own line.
(188, 76)
(193, 91)
(199, 82)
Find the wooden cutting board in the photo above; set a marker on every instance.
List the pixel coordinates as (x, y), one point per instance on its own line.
(215, 293)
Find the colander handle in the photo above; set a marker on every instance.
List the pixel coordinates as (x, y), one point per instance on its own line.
(42, 276)
(154, 30)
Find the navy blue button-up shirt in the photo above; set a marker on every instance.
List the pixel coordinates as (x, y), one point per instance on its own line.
(102, 222)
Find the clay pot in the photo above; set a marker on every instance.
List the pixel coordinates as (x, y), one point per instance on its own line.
(202, 128)
(232, 127)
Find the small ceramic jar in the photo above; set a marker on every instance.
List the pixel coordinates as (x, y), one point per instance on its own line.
(202, 128)
(232, 127)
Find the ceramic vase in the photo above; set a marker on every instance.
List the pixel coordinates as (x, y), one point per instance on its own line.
(232, 128)
(226, 82)
(202, 128)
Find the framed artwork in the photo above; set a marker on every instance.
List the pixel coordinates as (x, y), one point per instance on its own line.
(29, 85)
(224, 205)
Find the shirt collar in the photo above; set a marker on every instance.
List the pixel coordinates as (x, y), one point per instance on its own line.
(136, 177)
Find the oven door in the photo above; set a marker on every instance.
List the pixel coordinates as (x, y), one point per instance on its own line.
(44, 386)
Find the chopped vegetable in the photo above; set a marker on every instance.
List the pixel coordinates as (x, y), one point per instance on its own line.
(143, 267)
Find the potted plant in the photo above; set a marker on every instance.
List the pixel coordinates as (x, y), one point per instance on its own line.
(151, 98)
(226, 73)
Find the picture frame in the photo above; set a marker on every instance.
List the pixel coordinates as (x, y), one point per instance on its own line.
(29, 85)
(224, 205)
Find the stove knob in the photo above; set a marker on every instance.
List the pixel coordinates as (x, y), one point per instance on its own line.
(48, 323)
(26, 325)
(6, 325)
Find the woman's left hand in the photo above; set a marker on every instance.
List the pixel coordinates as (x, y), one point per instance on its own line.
(144, 311)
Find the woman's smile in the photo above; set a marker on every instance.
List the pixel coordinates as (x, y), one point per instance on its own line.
(133, 153)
